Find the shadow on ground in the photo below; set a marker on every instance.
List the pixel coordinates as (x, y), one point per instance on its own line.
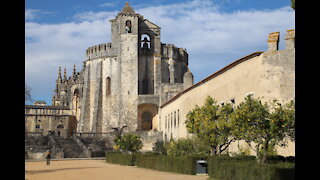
(55, 170)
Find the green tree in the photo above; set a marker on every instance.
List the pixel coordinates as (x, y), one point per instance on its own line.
(128, 142)
(293, 4)
(181, 147)
(266, 126)
(211, 124)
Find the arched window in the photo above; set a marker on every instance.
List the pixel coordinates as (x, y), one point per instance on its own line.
(60, 126)
(145, 41)
(128, 26)
(108, 86)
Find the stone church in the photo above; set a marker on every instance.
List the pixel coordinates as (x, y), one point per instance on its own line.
(139, 84)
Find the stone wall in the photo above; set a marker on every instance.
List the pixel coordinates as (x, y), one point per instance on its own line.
(48, 118)
(266, 75)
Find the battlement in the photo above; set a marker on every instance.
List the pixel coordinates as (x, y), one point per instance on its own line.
(171, 51)
(273, 40)
(98, 51)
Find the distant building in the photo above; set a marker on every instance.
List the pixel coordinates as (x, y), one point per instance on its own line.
(40, 103)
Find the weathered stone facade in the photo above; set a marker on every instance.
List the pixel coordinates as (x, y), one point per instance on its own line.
(145, 86)
(43, 120)
(123, 83)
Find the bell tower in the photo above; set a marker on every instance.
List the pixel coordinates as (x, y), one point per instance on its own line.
(125, 41)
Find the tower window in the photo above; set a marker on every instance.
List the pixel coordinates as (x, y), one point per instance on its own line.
(108, 86)
(145, 41)
(128, 26)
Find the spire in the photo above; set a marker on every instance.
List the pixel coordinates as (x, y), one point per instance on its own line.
(74, 75)
(59, 76)
(65, 74)
(74, 68)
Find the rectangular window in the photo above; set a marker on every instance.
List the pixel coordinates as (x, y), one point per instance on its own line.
(175, 119)
(165, 123)
(178, 118)
(37, 126)
(171, 120)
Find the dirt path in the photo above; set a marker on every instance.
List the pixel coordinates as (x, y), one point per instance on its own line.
(97, 170)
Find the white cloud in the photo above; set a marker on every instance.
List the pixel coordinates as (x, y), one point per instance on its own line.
(31, 14)
(212, 38)
(109, 4)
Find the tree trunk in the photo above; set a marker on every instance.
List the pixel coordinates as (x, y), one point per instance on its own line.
(213, 150)
(265, 152)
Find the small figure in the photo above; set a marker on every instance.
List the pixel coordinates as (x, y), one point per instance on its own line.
(48, 156)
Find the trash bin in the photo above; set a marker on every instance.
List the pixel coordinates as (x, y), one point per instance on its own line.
(201, 167)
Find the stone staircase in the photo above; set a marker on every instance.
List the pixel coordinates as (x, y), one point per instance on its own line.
(70, 148)
(35, 147)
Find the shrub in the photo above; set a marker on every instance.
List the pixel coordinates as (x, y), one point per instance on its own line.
(181, 164)
(159, 147)
(247, 168)
(128, 142)
(187, 147)
(120, 158)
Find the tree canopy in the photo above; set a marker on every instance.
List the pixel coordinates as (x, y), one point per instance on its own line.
(263, 124)
(211, 124)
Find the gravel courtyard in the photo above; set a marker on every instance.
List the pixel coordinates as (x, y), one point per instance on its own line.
(97, 170)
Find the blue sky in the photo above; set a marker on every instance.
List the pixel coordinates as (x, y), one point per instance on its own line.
(214, 32)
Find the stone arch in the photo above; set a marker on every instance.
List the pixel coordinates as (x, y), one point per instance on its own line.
(146, 116)
(145, 41)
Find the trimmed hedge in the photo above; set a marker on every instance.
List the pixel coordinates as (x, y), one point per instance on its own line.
(120, 158)
(181, 164)
(222, 168)
(236, 168)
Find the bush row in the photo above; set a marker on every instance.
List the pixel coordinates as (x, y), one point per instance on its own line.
(221, 167)
(120, 158)
(181, 164)
(235, 168)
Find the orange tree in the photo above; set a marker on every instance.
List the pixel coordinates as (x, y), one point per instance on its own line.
(128, 142)
(266, 126)
(211, 124)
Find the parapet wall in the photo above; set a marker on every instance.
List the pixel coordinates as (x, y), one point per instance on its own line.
(97, 51)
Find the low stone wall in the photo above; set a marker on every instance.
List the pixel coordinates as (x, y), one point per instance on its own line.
(149, 138)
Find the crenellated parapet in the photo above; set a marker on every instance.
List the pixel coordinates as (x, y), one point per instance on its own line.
(274, 38)
(171, 51)
(97, 51)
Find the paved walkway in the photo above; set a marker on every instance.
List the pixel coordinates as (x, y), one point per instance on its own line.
(97, 170)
